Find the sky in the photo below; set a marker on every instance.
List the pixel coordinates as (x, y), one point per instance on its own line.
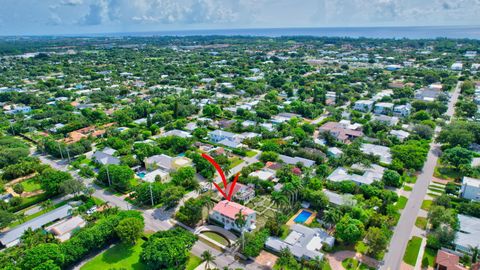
(50, 17)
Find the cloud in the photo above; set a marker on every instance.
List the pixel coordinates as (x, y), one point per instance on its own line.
(95, 15)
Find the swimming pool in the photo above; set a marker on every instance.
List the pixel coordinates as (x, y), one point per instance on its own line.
(302, 217)
(141, 174)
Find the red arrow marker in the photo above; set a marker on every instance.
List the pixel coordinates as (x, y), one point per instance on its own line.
(224, 179)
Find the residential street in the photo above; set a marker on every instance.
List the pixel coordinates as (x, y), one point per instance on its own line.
(394, 257)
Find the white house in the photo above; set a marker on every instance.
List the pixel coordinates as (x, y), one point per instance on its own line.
(363, 105)
(226, 212)
(470, 188)
(457, 66)
(402, 110)
(383, 108)
(368, 176)
(378, 150)
(468, 235)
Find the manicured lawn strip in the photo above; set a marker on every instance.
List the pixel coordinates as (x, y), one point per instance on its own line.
(193, 262)
(421, 222)
(430, 255)
(235, 162)
(426, 204)
(435, 189)
(407, 188)
(251, 153)
(216, 237)
(120, 256)
(413, 248)
(402, 201)
(30, 185)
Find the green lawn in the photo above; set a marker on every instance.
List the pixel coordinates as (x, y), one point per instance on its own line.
(216, 237)
(407, 188)
(120, 256)
(30, 185)
(402, 201)
(193, 262)
(251, 153)
(413, 248)
(234, 162)
(352, 264)
(361, 247)
(409, 179)
(426, 204)
(447, 173)
(421, 223)
(429, 255)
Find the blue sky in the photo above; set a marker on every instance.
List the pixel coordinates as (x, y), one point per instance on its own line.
(20, 17)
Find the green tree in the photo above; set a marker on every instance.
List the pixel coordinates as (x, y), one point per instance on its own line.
(349, 230)
(129, 230)
(72, 186)
(457, 156)
(51, 180)
(392, 178)
(40, 254)
(268, 156)
(185, 177)
(376, 241)
(118, 176)
(208, 258)
(18, 188)
(6, 218)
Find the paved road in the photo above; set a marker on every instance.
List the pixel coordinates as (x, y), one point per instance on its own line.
(401, 235)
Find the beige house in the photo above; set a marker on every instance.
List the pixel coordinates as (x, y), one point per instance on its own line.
(166, 163)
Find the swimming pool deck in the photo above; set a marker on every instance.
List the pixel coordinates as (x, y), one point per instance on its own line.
(309, 220)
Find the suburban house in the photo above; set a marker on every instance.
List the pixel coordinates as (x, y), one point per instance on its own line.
(226, 212)
(264, 175)
(400, 134)
(284, 117)
(402, 110)
(105, 157)
(226, 138)
(176, 132)
(468, 235)
(457, 66)
(446, 260)
(363, 105)
(334, 152)
(427, 94)
(337, 199)
(363, 176)
(241, 193)
(377, 150)
(341, 133)
(12, 237)
(64, 229)
(383, 108)
(161, 175)
(16, 109)
(166, 163)
(295, 160)
(388, 120)
(303, 242)
(470, 188)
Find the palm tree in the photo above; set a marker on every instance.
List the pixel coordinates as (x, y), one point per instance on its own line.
(240, 221)
(279, 199)
(21, 217)
(331, 216)
(46, 205)
(475, 252)
(208, 258)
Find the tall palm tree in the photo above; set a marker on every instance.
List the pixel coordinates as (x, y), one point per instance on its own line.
(240, 221)
(208, 258)
(475, 252)
(46, 205)
(331, 216)
(279, 199)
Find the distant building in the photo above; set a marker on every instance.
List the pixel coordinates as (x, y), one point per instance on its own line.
(427, 94)
(339, 199)
(457, 66)
(242, 193)
(226, 212)
(468, 235)
(166, 163)
(63, 230)
(368, 174)
(19, 109)
(284, 117)
(388, 120)
(264, 175)
(400, 134)
(340, 132)
(295, 160)
(105, 157)
(402, 110)
(303, 242)
(363, 105)
(378, 150)
(176, 132)
(383, 108)
(470, 188)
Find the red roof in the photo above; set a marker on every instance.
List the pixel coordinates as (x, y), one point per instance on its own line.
(230, 209)
(448, 260)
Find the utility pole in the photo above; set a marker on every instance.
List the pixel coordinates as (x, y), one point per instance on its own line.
(108, 176)
(68, 153)
(11, 127)
(151, 194)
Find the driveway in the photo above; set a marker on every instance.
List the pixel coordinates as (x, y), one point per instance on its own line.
(336, 259)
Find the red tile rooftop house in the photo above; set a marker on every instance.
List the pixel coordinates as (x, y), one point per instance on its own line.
(447, 261)
(226, 212)
(341, 133)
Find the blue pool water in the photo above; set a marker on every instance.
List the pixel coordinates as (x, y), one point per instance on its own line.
(141, 174)
(302, 217)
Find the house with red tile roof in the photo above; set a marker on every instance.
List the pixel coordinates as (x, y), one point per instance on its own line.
(340, 132)
(226, 212)
(448, 261)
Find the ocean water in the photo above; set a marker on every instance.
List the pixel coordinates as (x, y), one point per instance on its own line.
(417, 32)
